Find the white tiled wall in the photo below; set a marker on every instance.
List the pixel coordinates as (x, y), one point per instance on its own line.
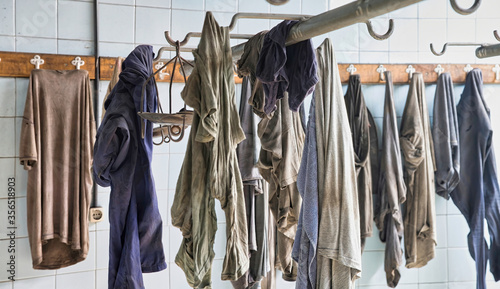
(66, 27)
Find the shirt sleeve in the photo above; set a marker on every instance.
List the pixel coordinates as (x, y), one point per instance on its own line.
(28, 153)
(110, 150)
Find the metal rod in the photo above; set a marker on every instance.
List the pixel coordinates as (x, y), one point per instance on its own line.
(93, 202)
(355, 12)
(488, 51)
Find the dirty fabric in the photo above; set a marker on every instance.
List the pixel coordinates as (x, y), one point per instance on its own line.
(112, 82)
(210, 169)
(445, 136)
(359, 122)
(339, 244)
(391, 191)
(57, 136)
(374, 153)
(256, 194)
(123, 161)
(283, 68)
(477, 194)
(418, 154)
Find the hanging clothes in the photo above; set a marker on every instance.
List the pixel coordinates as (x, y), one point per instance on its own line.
(122, 160)
(477, 195)
(57, 136)
(445, 135)
(256, 194)
(283, 68)
(359, 122)
(391, 191)
(418, 152)
(210, 170)
(374, 154)
(338, 246)
(112, 82)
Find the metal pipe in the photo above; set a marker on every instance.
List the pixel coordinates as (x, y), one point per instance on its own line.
(355, 12)
(93, 202)
(488, 51)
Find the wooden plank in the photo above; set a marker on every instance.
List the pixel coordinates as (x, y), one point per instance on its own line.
(17, 64)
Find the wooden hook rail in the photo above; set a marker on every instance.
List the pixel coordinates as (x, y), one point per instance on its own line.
(16, 64)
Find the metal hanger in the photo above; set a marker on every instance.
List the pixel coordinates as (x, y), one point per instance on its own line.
(467, 11)
(484, 50)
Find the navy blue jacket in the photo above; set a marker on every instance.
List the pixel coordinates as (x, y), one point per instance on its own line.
(122, 160)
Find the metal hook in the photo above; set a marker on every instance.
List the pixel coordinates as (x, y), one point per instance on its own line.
(468, 68)
(453, 44)
(439, 69)
(410, 70)
(467, 11)
(78, 62)
(439, 53)
(351, 69)
(381, 69)
(496, 35)
(496, 69)
(380, 36)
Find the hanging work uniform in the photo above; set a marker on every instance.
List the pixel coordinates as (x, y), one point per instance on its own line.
(123, 161)
(57, 135)
(357, 113)
(445, 136)
(256, 195)
(418, 152)
(210, 169)
(391, 191)
(477, 195)
(339, 248)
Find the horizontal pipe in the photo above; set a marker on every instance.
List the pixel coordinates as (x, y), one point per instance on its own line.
(355, 12)
(488, 51)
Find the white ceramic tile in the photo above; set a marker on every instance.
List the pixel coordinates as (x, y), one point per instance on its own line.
(36, 45)
(253, 6)
(462, 55)
(403, 57)
(347, 57)
(102, 249)
(400, 94)
(314, 7)
(153, 3)
(115, 49)
(400, 286)
(373, 269)
(164, 148)
(436, 270)
(6, 285)
(180, 27)
(21, 91)
(441, 231)
(156, 279)
(86, 265)
(373, 243)
(18, 126)
(488, 9)
(83, 280)
(21, 179)
(24, 261)
(6, 255)
(484, 30)
(464, 4)
(175, 237)
(7, 17)
(103, 201)
(432, 9)
(431, 31)
(75, 47)
(373, 57)
(75, 25)
(162, 197)
(458, 230)
(221, 5)
(426, 56)
(36, 18)
(7, 171)
(160, 166)
(150, 25)
(175, 164)
(374, 99)
(115, 18)
(7, 43)
(461, 30)
(216, 276)
(291, 7)
(7, 127)
(224, 18)
(368, 43)
(188, 4)
(178, 280)
(101, 279)
(405, 36)
(21, 217)
(433, 286)
(346, 39)
(462, 285)
(122, 2)
(408, 276)
(252, 26)
(42, 282)
(220, 241)
(407, 12)
(7, 226)
(461, 266)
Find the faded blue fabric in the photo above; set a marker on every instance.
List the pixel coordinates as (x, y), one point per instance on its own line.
(477, 194)
(306, 239)
(122, 160)
(286, 68)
